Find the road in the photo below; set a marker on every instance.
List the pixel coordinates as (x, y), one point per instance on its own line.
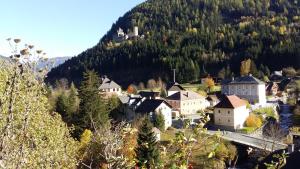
(251, 141)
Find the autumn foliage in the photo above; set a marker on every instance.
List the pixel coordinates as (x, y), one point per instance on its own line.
(210, 83)
(253, 121)
(131, 89)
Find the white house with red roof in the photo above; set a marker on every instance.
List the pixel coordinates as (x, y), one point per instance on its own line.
(231, 113)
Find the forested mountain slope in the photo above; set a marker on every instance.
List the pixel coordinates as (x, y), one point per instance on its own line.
(195, 37)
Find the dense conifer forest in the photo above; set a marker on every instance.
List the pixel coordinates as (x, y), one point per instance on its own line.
(195, 37)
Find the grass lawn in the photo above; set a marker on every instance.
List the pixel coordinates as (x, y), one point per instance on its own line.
(268, 111)
(200, 88)
(248, 130)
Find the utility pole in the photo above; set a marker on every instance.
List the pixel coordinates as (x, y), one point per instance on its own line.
(174, 75)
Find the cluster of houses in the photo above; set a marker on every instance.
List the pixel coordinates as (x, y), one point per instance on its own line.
(229, 108)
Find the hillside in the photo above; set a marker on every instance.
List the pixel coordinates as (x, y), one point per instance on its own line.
(195, 37)
(51, 62)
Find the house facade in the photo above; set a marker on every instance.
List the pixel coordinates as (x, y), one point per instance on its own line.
(187, 102)
(153, 107)
(246, 87)
(109, 87)
(174, 88)
(213, 100)
(231, 113)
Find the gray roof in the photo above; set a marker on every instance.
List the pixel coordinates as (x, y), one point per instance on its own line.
(212, 98)
(185, 95)
(124, 99)
(150, 105)
(175, 87)
(249, 79)
(108, 84)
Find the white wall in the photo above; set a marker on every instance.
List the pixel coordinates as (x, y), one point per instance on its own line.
(171, 92)
(231, 118)
(167, 113)
(262, 94)
(240, 116)
(251, 92)
(192, 106)
(224, 117)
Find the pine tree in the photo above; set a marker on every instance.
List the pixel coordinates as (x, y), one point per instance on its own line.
(73, 100)
(62, 105)
(253, 69)
(159, 121)
(92, 108)
(147, 153)
(163, 92)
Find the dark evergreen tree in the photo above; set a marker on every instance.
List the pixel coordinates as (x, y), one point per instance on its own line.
(163, 92)
(253, 69)
(159, 121)
(147, 152)
(62, 105)
(73, 100)
(93, 112)
(193, 36)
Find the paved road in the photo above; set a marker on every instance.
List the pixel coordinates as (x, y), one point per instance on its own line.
(250, 140)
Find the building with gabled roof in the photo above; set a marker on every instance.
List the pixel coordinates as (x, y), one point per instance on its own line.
(174, 88)
(231, 113)
(110, 87)
(213, 100)
(246, 87)
(152, 107)
(187, 102)
(149, 94)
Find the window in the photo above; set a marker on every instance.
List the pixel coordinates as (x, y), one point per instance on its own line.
(219, 120)
(228, 121)
(219, 111)
(228, 112)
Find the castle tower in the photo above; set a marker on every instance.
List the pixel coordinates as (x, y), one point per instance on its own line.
(136, 31)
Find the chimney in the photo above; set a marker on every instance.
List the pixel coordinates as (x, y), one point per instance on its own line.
(232, 78)
(291, 148)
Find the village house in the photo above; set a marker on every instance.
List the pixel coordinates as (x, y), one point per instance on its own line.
(109, 87)
(174, 88)
(230, 113)
(272, 88)
(130, 107)
(150, 94)
(213, 100)
(153, 107)
(187, 102)
(276, 76)
(246, 87)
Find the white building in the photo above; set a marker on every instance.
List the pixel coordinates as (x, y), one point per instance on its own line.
(187, 102)
(231, 113)
(174, 88)
(110, 87)
(153, 107)
(246, 87)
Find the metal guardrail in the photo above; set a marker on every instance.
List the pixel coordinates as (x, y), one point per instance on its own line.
(261, 143)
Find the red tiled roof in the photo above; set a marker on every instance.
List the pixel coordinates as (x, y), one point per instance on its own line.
(231, 102)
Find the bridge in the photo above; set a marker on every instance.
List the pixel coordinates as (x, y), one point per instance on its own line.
(251, 141)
